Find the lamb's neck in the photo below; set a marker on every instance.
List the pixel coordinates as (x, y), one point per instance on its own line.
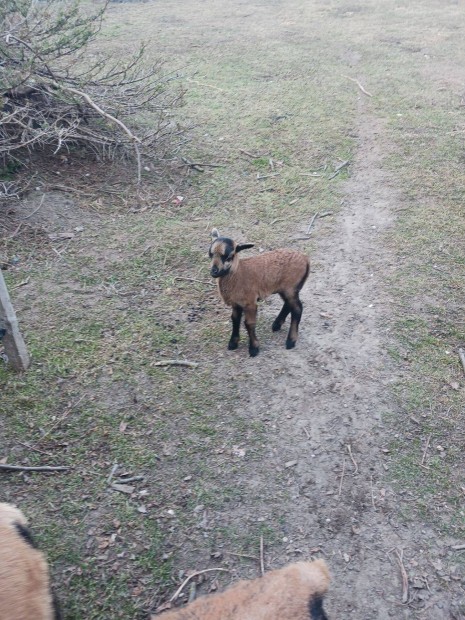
(227, 283)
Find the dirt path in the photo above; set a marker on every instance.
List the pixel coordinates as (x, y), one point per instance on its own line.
(333, 387)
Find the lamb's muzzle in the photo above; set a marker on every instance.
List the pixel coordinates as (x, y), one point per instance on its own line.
(242, 283)
(291, 593)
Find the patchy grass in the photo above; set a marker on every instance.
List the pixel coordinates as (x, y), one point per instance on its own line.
(98, 318)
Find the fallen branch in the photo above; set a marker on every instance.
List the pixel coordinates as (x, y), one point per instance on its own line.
(338, 169)
(425, 450)
(342, 477)
(122, 480)
(262, 557)
(242, 555)
(176, 363)
(207, 283)
(112, 473)
(352, 458)
(23, 283)
(462, 357)
(35, 468)
(365, 92)
(186, 581)
(403, 572)
(61, 419)
(35, 210)
(267, 176)
(458, 547)
(250, 154)
(198, 166)
(311, 223)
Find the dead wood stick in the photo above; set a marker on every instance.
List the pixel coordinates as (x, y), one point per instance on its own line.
(186, 581)
(123, 480)
(250, 154)
(425, 450)
(365, 92)
(462, 357)
(372, 494)
(98, 109)
(458, 547)
(311, 223)
(29, 447)
(342, 477)
(403, 572)
(112, 473)
(262, 557)
(16, 231)
(267, 176)
(66, 188)
(176, 363)
(195, 280)
(187, 162)
(136, 141)
(23, 283)
(242, 555)
(35, 210)
(338, 169)
(61, 419)
(306, 432)
(325, 214)
(349, 448)
(35, 468)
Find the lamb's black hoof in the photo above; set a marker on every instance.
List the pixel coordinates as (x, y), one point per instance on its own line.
(233, 344)
(276, 326)
(290, 344)
(253, 351)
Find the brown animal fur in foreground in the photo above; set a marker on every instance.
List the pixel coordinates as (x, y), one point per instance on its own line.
(291, 593)
(242, 283)
(24, 576)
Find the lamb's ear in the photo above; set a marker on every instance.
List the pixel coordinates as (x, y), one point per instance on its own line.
(244, 246)
(215, 234)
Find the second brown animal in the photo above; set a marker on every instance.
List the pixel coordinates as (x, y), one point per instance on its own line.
(291, 593)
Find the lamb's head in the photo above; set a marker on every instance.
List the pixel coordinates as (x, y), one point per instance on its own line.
(223, 253)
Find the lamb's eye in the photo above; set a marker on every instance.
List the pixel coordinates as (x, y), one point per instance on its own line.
(225, 258)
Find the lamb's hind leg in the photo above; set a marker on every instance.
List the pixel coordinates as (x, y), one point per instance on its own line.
(250, 321)
(236, 324)
(282, 316)
(296, 314)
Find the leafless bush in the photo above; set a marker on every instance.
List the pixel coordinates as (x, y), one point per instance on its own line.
(57, 92)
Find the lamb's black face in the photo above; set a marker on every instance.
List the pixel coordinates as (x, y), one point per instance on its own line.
(222, 254)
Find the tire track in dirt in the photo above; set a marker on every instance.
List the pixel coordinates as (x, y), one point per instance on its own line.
(331, 392)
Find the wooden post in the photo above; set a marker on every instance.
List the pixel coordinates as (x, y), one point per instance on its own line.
(13, 342)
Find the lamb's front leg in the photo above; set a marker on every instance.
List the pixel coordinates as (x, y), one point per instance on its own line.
(236, 324)
(250, 321)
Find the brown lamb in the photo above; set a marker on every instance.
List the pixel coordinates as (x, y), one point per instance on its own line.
(241, 283)
(291, 593)
(24, 575)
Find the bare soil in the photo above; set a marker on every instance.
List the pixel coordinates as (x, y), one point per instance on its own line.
(295, 446)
